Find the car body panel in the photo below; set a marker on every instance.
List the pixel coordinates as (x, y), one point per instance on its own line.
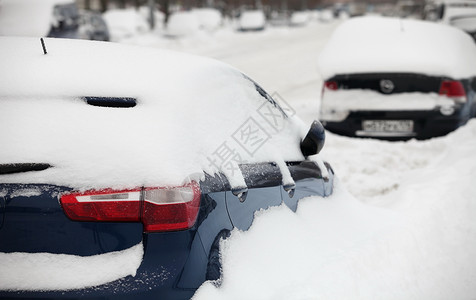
(174, 264)
(35, 222)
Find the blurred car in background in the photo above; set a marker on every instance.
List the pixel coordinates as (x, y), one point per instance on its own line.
(123, 186)
(458, 13)
(397, 79)
(326, 15)
(210, 19)
(125, 23)
(252, 20)
(299, 18)
(182, 23)
(52, 18)
(278, 18)
(92, 26)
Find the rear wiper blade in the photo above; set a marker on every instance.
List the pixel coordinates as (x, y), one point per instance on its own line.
(22, 167)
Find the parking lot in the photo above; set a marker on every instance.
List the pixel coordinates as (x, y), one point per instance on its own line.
(400, 223)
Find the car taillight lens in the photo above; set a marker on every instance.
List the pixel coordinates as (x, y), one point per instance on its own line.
(331, 85)
(159, 209)
(454, 90)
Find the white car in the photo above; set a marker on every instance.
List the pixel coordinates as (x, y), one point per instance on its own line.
(182, 23)
(53, 18)
(458, 13)
(299, 18)
(210, 19)
(252, 20)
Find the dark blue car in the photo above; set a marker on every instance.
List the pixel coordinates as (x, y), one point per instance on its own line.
(74, 224)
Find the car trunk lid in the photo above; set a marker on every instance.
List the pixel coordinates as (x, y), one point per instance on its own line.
(34, 221)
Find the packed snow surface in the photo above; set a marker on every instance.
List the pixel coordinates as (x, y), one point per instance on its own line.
(377, 44)
(46, 271)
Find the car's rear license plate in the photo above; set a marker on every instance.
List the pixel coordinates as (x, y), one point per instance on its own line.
(387, 126)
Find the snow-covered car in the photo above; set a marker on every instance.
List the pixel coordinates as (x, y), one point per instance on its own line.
(92, 26)
(397, 79)
(53, 18)
(299, 18)
(252, 20)
(182, 23)
(210, 19)
(122, 168)
(326, 15)
(278, 18)
(124, 23)
(458, 13)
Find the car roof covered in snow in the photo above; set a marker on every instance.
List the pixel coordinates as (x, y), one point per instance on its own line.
(377, 44)
(188, 108)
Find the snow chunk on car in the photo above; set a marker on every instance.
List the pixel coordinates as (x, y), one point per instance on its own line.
(172, 115)
(376, 44)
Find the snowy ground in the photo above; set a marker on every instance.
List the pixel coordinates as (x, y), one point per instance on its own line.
(401, 223)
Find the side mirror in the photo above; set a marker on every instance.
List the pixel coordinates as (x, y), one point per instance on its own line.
(313, 142)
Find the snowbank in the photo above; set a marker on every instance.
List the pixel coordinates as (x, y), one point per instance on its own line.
(46, 271)
(375, 44)
(252, 20)
(189, 109)
(419, 242)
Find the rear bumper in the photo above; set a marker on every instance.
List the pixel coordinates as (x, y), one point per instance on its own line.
(427, 124)
(173, 267)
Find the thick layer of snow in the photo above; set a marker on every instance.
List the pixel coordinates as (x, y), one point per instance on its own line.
(124, 23)
(189, 111)
(376, 44)
(27, 17)
(46, 271)
(210, 19)
(183, 23)
(299, 18)
(252, 19)
(355, 100)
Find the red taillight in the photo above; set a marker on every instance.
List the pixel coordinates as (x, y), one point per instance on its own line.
(171, 209)
(159, 209)
(454, 90)
(331, 85)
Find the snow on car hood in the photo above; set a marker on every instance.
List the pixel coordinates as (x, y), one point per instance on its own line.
(47, 271)
(376, 44)
(192, 113)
